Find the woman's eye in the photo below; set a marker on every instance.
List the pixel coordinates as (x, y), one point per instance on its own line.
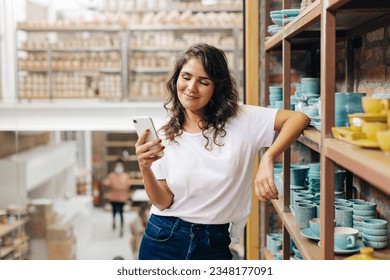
(186, 78)
(204, 83)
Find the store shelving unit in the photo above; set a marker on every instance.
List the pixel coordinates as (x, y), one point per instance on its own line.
(52, 51)
(322, 24)
(136, 82)
(176, 32)
(14, 251)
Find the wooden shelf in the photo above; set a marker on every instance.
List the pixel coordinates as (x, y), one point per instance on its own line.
(309, 249)
(311, 138)
(29, 28)
(120, 143)
(353, 18)
(369, 164)
(136, 181)
(5, 250)
(7, 228)
(267, 254)
(308, 17)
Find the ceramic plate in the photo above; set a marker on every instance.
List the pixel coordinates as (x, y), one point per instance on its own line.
(307, 232)
(340, 251)
(370, 117)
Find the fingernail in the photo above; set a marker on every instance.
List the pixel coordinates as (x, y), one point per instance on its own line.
(163, 147)
(148, 130)
(159, 141)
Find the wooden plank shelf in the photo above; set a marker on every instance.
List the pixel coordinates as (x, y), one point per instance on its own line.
(311, 138)
(309, 249)
(305, 19)
(371, 165)
(120, 143)
(267, 254)
(5, 250)
(7, 228)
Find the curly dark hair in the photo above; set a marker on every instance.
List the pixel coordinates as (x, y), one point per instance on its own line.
(223, 104)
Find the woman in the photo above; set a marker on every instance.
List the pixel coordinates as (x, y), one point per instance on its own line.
(201, 188)
(118, 183)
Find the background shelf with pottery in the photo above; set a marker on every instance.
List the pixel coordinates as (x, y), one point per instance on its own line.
(340, 20)
(20, 247)
(122, 56)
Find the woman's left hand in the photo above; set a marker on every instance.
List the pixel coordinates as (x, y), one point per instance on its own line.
(265, 187)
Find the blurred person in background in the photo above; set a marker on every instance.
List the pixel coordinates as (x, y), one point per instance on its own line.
(118, 183)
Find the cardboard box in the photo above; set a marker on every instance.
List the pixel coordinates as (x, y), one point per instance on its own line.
(40, 209)
(62, 250)
(37, 228)
(59, 232)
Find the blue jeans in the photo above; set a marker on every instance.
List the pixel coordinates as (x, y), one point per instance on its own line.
(170, 238)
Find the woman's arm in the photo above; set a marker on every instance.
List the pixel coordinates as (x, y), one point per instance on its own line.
(290, 125)
(158, 191)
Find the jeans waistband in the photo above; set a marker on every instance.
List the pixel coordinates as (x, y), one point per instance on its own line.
(187, 226)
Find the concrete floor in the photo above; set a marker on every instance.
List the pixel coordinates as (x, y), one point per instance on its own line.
(106, 243)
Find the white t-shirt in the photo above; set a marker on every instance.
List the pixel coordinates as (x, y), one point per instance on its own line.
(214, 187)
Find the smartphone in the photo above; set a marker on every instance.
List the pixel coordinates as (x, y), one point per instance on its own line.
(143, 123)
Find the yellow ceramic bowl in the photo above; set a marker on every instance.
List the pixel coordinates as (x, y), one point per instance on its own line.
(371, 129)
(375, 105)
(384, 140)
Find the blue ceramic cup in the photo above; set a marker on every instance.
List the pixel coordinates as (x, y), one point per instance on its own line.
(303, 213)
(344, 216)
(345, 237)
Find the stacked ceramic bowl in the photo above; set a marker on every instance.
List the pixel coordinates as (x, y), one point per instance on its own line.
(314, 178)
(274, 242)
(275, 96)
(362, 210)
(289, 15)
(347, 103)
(272, 29)
(277, 17)
(375, 233)
(297, 254)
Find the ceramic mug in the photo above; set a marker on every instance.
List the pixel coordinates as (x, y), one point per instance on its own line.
(371, 129)
(344, 216)
(345, 237)
(383, 138)
(375, 105)
(303, 213)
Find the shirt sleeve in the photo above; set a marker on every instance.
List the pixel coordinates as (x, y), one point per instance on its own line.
(261, 124)
(158, 170)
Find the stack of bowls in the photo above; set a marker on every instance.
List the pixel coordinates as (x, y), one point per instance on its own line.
(274, 242)
(347, 103)
(297, 254)
(310, 87)
(272, 29)
(314, 178)
(375, 233)
(275, 94)
(277, 17)
(289, 15)
(362, 210)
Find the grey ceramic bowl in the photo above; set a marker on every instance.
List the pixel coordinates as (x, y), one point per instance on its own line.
(365, 206)
(375, 224)
(361, 218)
(376, 238)
(375, 244)
(364, 212)
(358, 223)
(377, 232)
(357, 201)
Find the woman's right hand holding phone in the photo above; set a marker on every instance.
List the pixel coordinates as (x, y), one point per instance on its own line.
(147, 152)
